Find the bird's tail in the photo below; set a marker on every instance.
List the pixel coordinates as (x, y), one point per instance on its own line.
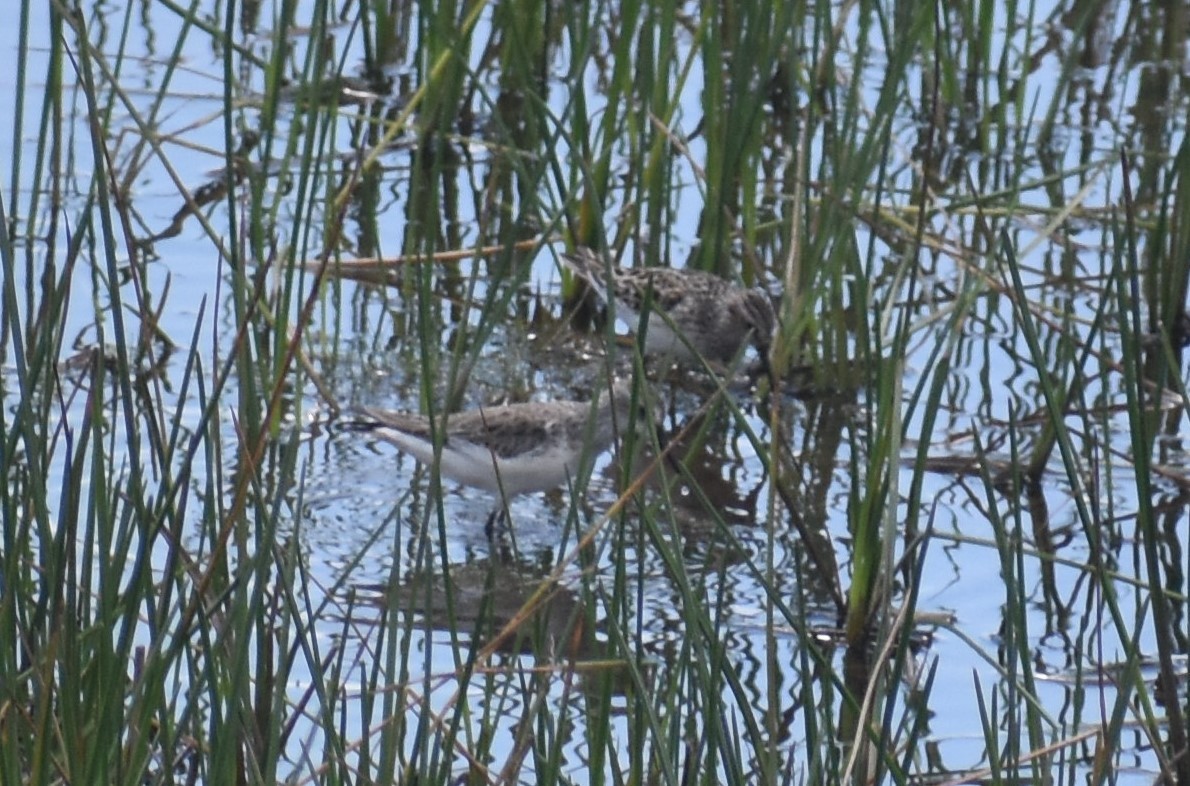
(586, 263)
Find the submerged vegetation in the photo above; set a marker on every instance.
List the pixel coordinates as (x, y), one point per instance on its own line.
(943, 541)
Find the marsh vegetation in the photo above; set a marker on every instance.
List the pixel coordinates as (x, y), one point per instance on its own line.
(943, 542)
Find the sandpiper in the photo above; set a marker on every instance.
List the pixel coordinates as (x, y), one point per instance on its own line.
(514, 448)
(713, 316)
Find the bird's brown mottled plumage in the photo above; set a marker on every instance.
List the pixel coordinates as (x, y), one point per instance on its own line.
(714, 316)
(513, 448)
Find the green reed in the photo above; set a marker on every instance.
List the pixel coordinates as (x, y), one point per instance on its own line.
(165, 622)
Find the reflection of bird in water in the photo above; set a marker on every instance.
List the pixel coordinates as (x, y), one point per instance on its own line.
(514, 448)
(692, 313)
(485, 596)
(706, 479)
(482, 598)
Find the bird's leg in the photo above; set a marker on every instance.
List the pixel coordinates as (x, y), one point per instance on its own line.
(497, 523)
